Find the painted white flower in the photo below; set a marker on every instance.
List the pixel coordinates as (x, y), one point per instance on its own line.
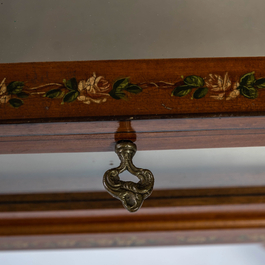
(3, 97)
(235, 92)
(95, 89)
(221, 87)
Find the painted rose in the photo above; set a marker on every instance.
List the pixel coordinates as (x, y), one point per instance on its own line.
(221, 87)
(95, 89)
(3, 97)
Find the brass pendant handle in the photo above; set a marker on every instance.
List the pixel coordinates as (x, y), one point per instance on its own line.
(129, 193)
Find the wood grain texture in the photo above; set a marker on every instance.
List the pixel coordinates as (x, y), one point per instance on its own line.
(169, 217)
(152, 101)
(159, 198)
(162, 134)
(205, 218)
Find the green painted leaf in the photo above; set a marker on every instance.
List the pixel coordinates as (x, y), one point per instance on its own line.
(200, 92)
(117, 95)
(15, 102)
(23, 95)
(260, 83)
(61, 95)
(249, 92)
(54, 93)
(134, 89)
(247, 80)
(121, 84)
(71, 84)
(70, 97)
(181, 91)
(194, 80)
(15, 87)
(118, 87)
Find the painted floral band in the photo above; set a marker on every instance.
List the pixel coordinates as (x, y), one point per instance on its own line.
(96, 89)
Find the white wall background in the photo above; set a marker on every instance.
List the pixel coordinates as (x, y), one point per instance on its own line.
(192, 255)
(48, 30)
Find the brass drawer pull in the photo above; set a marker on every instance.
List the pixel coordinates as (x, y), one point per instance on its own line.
(131, 194)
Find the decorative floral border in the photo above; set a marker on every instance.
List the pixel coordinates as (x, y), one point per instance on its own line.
(96, 89)
(220, 87)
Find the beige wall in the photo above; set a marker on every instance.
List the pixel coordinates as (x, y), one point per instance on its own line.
(59, 30)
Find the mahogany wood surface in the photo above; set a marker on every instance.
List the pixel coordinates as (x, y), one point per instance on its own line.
(119, 221)
(159, 198)
(153, 101)
(168, 217)
(110, 228)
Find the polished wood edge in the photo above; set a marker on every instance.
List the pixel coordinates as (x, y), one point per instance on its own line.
(124, 118)
(147, 134)
(213, 59)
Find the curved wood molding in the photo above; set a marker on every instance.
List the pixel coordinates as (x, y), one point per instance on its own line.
(117, 228)
(99, 213)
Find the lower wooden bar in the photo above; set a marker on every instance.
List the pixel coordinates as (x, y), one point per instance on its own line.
(135, 238)
(120, 221)
(168, 217)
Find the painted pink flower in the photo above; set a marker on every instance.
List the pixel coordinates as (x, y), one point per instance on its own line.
(221, 87)
(95, 89)
(3, 97)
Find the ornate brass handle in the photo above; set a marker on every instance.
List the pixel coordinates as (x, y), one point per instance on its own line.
(129, 193)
